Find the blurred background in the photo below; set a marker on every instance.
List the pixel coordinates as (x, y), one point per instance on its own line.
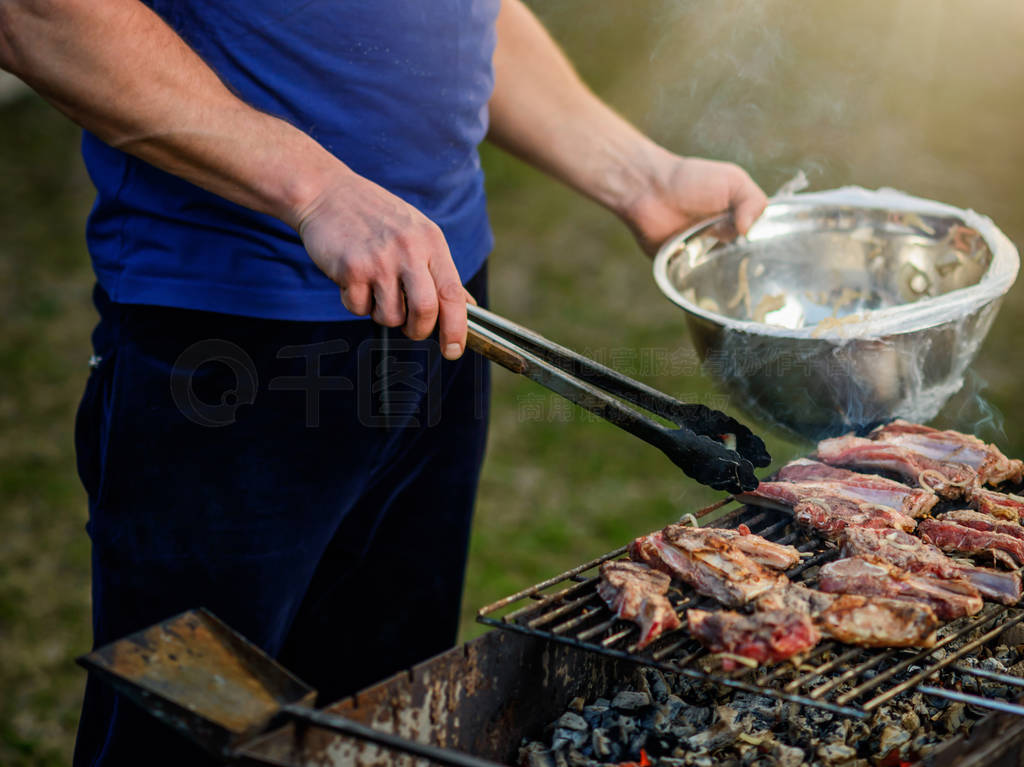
(913, 94)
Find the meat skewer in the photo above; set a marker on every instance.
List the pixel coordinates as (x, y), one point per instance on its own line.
(948, 598)
(870, 488)
(910, 553)
(826, 506)
(636, 593)
(858, 620)
(769, 636)
(953, 536)
(707, 562)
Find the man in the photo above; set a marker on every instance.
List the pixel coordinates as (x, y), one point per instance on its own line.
(251, 160)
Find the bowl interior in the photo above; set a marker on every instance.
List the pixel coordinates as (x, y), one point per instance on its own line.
(802, 265)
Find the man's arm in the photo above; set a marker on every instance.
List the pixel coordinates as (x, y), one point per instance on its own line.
(543, 113)
(119, 71)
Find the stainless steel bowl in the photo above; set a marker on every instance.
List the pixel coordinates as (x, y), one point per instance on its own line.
(841, 309)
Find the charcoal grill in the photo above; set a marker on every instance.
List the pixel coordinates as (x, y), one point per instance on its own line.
(849, 681)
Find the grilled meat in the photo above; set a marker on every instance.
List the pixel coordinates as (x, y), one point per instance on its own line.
(710, 564)
(636, 593)
(761, 550)
(854, 575)
(910, 553)
(1002, 505)
(949, 480)
(948, 462)
(953, 536)
(827, 506)
(879, 622)
(984, 522)
(869, 488)
(764, 637)
(988, 462)
(857, 620)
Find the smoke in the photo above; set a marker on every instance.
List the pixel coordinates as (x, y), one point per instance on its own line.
(970, 412)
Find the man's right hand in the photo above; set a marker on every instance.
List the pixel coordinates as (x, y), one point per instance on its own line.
(390, 261)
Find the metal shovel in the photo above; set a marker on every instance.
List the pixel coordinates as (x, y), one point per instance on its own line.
(205, 680)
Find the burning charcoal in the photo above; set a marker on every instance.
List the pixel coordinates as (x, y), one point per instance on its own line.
(629, 700)
(626, 727)
(657, 685)
(682, 731)
(576, 704)
(787, 756)
(561, 760)
(563, 738)
(892, 738)
(594, 713)
(601, 744)
(953, 718)
(836, 753)
(722, 733)
(535, 755)
(674, 705)
(910, 721)
(571, 721)
(702, 761)
(579, 759)
(638, 741)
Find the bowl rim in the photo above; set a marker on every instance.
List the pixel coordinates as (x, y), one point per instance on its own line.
(876, 323)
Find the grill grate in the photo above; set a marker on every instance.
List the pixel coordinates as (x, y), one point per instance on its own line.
(851, 681)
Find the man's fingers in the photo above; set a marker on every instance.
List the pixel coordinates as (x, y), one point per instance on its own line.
(748, 205)
(357, 298)
(388, 304)
(452, 308)
(420, 303)
(469, 298)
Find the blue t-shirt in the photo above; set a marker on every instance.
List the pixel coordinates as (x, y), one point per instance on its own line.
(397, 89)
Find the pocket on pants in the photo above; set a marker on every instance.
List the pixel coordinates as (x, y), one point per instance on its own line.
(92, 427)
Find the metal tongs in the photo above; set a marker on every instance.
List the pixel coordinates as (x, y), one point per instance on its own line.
(697, 446)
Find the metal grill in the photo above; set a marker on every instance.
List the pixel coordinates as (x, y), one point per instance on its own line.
(851, 681)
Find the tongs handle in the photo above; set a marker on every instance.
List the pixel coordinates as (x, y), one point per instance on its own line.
(693, 447)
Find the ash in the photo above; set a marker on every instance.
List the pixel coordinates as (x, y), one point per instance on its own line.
(672, 721)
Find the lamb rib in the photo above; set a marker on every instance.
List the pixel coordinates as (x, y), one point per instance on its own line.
(854, 575)
(764, 637)
(855, 619)
(949, 480)
(709, 563)
(1002, 505)
(953, 536)
(870, 488)
(910, 553)
(988, 461)
(984, 522)
(827, 506)
(636, 593)
(768, 553)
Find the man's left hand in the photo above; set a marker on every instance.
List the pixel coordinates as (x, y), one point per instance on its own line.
(683, 191)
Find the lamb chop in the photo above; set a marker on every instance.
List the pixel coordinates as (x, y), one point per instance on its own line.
(910, 553)
(953, 536)
(827, 506)
(636, 593)
(855, 619)
(761, 550)
(769, 636)
(870, 488)
(1002, 505)
(988, 462)
(854, 575)
(708, 563)
(949, 480)
(984, 522)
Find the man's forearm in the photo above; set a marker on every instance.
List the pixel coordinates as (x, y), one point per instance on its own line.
(119, 71)
(542, 112)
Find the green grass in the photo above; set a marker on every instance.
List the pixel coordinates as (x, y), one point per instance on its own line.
(922, 98)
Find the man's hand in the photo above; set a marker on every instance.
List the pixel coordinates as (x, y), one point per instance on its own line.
(683, 191)
(389, 260)
(542, 112)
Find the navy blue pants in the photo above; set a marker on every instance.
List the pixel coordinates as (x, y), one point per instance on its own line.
(309, 483)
